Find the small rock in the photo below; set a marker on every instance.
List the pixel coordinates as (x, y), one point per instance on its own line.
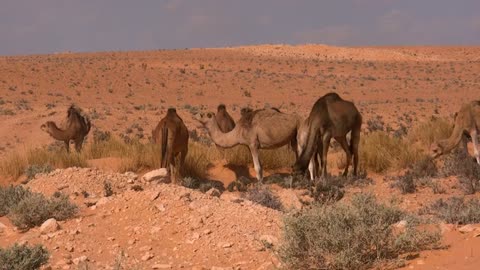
(155, 175)
(161, 266)
(69, 247)
(160, 207)
(3, 228)
(226, 245)
(467, 228)
(154, 195)
(213, 192)
(49, 226)
(80, 259)
(207, 232)
(147, 256)
(420, 262)
(401, 224)
(446, 227)
(103, 201)
(146, 248)
(269, 239)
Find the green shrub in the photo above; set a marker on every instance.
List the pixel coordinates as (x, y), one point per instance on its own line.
(22, 257)
(349, 236)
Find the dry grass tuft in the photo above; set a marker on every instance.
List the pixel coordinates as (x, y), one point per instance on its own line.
(430, 131)
(380, 152)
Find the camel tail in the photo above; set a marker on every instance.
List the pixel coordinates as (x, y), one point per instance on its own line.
(164, 146)
(306, 153)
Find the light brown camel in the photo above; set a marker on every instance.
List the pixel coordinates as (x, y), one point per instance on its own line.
(259, 129)
(467, 120)
(331, 116)
(172, 134)
(76, 128)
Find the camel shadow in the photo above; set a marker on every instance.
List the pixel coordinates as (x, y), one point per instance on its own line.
(239, 170)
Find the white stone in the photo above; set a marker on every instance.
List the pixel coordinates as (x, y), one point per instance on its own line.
(155, 175)
(49, 226)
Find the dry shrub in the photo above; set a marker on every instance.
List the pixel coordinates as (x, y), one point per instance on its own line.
(27, 209)
(455, 210)
(380, 152)
(354, 235)
(32, 170)
(430, 131)
(460, 164)
(262, 195)
(21, 257)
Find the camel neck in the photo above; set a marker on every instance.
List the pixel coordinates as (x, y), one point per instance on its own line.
(57, 133)
(226, 140)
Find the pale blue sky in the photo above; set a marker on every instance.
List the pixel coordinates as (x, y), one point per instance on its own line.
(45, 26)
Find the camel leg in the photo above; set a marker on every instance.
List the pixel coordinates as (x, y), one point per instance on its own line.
(343, 143)
(181, 162)
(173, 170)
(78, 145)
(256, 163)
(326, 137)
(354, 143)
(67, 146)
(476, 152)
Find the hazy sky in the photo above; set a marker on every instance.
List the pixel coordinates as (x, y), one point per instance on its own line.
(45, 26)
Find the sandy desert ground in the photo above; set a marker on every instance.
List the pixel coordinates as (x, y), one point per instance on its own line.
(166, 226)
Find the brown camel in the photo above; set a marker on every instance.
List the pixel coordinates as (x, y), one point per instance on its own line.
(172, 134)
(224, 120)
(467, 120)
(77, 128)
(259, 129)
(331, 116)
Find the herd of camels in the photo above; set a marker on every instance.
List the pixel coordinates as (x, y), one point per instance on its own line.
(330, 117)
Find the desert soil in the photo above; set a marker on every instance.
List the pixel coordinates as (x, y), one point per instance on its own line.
(166, 226)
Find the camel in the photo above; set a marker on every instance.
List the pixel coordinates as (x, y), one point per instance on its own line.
(467, 120)
(172, 134)
(331, 116)
(77, 128)
(259, 129)
(224, 120)
(301, 141)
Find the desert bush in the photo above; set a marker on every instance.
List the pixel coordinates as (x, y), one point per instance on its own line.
(455, 210)
(459, 163)
(430, 131)
(380, 152)
(27, 209)
(11, 196)
(262, 195)
(107, 189)
(22, 257)
(405, 183)
(353, 235)
(35, 169)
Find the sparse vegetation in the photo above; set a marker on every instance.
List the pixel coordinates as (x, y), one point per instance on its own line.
(460, 164)
(455, 210)
(357, 235)
(27, 209)
(262, 195)
(22, 257)
(380, 152)
(35, 169)
(430, 131)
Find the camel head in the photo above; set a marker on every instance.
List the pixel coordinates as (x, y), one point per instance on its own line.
(436, 150)
(47, 127)
(205, 119)
(221, 108)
